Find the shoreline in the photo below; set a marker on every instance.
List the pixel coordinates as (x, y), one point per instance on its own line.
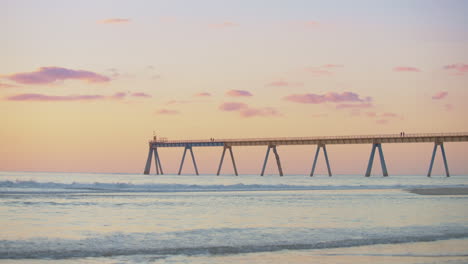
(440, 191)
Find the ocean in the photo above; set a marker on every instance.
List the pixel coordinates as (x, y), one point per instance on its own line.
(53, 217)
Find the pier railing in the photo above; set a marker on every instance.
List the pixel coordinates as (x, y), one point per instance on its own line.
(321, 141)
(411, 135)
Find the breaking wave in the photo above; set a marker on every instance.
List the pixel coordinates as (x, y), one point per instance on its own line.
(33, 186)
(219, 241)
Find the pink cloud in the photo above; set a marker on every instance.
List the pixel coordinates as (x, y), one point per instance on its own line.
(143, 95)
(318, 71)
(48, 75)
(326, 69)
(6, 85)
(167, 112)
(204, 94)
(383, 117)
(284, 84)
(114, 21)
(45, 98)
(246, 111)
(440, 95)
(251, 112)
(232, 106)
(382, 121)
(226, 24)
(51, 98)
(328, 97)
(458, 69)
(388, 114)
(361, 105)
(406, 69)
(238, 93)
(332, 66)
(172, 102)
(119, 96)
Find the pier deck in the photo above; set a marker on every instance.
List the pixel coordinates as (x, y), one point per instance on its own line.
(376, 140)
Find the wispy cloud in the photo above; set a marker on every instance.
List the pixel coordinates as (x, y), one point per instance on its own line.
(384, 118)
(355, 106)
(119, 96)
(232, 106)
(143, 95)
(324, 98)
(333, 66)
(114, 21)
(167, 112)
(264, 112)
(246, 111)
(114, 73)
(203, 94)
(318, 71)
(457, 69)
(326, 69)
(6, 85)
(284, 84)
(48, 75)
(173, 102)
(406, 69)
(382, 121)
(48, 98)
(51, 98)
(440, 95)
(238, 93)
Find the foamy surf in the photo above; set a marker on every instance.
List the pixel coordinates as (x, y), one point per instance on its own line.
(219, 241)
(37, 187)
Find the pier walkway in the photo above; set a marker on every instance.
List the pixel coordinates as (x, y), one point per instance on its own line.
(376, 140)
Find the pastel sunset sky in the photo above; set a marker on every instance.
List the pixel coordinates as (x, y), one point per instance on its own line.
(83, 84)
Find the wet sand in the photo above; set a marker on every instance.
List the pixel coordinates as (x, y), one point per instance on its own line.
(440, 191)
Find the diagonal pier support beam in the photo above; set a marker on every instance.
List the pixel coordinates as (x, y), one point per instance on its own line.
(319, 146)
(382, 160)
(232, 159)
(157, 162)
(188, 147)
(148, 161)
(436, 144)
(278, 162)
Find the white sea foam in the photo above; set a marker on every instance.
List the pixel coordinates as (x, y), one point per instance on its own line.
(34, 186)
(220, 241)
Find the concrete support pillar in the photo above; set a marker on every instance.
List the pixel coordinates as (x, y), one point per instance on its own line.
(232, 159)
(193, 159)
(319, 146)
(148, 161)
(278, 162)
(382, 160)
(441, 144)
